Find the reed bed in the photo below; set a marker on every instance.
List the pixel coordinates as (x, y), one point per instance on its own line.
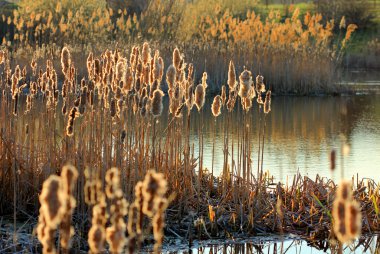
(297, 54)
(111, 125)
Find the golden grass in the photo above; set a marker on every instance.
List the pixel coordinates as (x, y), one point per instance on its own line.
(297, 55)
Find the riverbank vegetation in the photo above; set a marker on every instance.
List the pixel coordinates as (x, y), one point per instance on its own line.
(114, 117)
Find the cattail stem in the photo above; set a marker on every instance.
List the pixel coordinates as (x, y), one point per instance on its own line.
(213, 156)
(258, 151)
(262, 149)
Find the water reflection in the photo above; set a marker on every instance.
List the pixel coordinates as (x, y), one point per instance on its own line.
(302, 131)
(272, 245)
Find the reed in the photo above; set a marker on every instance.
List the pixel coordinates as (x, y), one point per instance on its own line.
(133, 129)
(305, 49)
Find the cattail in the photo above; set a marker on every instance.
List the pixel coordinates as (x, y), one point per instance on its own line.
(15, 105)
(120, 69)
(231, 100)
(23, 73)
(96, 238)
(154, 186)
(70, 125)
(146, 74)
(162, 66)
(245, 83)
(2, 56)
(113, 108)
(33, 65)
(115, 234)
(145, 53)
(260, 87)
(190, 73)
(157, 105)
(127, 80)
(267, 102)
(157, 66)
(14, 88)
(90, 62)
(83, 96)
(170, 76)
(231, 76)
(45, 234)
(223, 95)
(354, 219)
(52, 201)
(199, 96)
(247, 104)
(65, 60)
(158, 223)
(97, 69)
(216, 106)
(204, 80)
(69, 177)
(18, 72)
(346, 214)
(176, 59)
(332, 159)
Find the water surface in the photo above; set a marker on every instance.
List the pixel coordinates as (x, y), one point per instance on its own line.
(301, 132)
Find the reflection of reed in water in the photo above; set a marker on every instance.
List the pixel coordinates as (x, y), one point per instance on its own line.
(268, 245)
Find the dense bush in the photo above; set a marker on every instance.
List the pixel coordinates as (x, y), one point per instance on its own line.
(355, 11)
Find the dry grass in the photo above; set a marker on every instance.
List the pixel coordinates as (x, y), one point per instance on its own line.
(299, 54)
(114, 117)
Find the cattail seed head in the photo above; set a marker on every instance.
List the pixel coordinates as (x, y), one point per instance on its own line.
(170, 76)
(113, 108)
(52, 201)
(223, 95)
(216, 106)
(65, 60)
(332, 159)
(231, 76)
(260, 87)
(154, 186)
(231, 100)
(267, 102)
(177, 59)
(145, 53)
(199, 96)
(204, 80)
(157, 104)
(245, 83)
(2, 56)
(96, 238)
(346, 214)
(69, 177)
